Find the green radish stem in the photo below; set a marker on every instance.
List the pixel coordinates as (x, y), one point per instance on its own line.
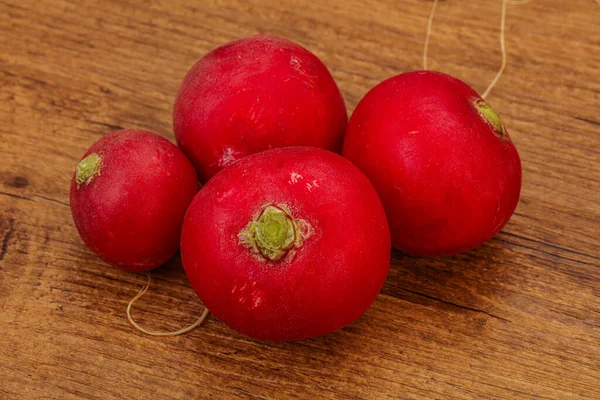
(274, 233)
(88, 169)
(490, 116)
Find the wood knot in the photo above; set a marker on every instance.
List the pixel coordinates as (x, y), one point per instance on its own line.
(19, 182)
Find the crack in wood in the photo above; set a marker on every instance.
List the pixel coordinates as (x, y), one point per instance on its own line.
(589, 121)
(503, 240)
(16, 196)
(460, 306)
(7, 237)
(554, 246)
(111, 126)
(52, 200)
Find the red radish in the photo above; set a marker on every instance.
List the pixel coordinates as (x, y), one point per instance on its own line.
(441, 160)
(287, 244)
(253, 94)
(129, 195)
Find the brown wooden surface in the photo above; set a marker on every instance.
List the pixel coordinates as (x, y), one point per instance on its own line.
(518, 317)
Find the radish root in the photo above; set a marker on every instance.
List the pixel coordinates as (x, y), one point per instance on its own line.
(502, 49)
(502, 39)
(155, 333)
(428, 34)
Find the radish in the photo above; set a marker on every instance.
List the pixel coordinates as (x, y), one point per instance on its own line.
(129, 195)
(446, 170)
(287, 244)
(253, 94)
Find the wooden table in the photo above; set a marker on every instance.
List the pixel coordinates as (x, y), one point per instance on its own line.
(518, 317)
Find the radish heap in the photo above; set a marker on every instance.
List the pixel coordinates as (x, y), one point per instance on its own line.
(294, 242)
(287, 244)
(129, 195)
(253, 94)
(441, 160)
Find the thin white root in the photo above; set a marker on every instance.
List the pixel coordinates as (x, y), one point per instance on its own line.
(502, 39)
(155, 333)
(502, 49)
(428, 34)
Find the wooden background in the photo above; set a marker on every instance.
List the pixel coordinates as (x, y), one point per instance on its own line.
(518, 317)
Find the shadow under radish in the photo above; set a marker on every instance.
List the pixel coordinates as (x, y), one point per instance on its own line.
(470, 282)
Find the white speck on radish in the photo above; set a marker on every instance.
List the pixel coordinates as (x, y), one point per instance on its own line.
(311, 185)
(294, 177)
(227, 157)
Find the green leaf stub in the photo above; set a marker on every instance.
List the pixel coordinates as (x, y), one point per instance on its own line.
(490, 116)
(88, 169)
(273, 234)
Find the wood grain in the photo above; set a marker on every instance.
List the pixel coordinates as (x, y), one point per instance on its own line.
(517, 318)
